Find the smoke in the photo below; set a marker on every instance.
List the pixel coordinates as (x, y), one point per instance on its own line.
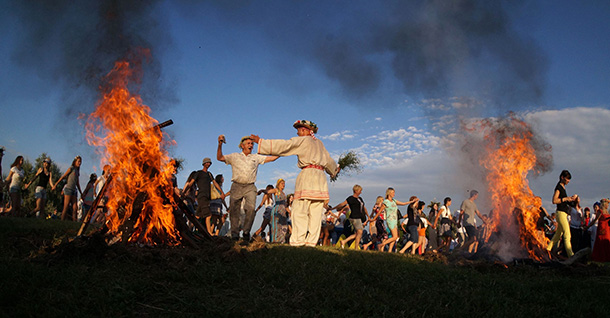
(418, 49)
(75, 43)
(495, 155)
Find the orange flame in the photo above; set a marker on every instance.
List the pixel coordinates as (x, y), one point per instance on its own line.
(508, 159)
(140, 205)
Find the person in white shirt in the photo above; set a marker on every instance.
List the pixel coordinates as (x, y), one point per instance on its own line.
(244, 166)
(311, 188)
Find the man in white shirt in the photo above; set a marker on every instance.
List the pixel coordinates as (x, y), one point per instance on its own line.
(244, 166)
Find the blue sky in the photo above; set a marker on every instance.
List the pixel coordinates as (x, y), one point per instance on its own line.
(387, 79)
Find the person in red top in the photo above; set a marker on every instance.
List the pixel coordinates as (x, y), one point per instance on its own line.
(601, 248)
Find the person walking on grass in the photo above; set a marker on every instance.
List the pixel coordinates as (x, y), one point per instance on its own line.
(216, 206)
(15, 180)
(204, 180)
(45, 177)
(311, 189)
(377, 222)
(69, 190)
(359, 212)
(562, 200)
(413, 225)
(445, 232)
(390, 208)
(468, 210)
(267, 202)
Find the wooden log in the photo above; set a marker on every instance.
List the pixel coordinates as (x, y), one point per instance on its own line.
(191, 217)
(96, 202)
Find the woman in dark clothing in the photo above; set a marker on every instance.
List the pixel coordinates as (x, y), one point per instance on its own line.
(562, 200)
(44, 177)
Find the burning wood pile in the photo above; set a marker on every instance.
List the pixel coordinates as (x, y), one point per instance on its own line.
(142, 204)
(510, 152)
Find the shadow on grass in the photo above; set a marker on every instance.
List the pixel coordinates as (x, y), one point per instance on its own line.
(223, 278)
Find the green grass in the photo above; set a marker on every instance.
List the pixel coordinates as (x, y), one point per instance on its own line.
(89, 279)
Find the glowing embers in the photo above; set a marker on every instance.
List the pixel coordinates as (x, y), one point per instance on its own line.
(140, 199)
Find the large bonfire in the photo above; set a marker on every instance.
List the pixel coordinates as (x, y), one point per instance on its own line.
(510, 152)
(140, 199)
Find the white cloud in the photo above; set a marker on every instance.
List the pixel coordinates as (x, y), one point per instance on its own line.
(344, 135)
(416, 164)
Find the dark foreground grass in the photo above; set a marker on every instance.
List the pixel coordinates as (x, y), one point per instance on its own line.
(85, 278)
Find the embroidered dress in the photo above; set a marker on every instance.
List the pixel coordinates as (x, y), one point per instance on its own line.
(313, 159)
(311, 189)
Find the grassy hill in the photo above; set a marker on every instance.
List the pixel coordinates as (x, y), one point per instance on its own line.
(44, 273)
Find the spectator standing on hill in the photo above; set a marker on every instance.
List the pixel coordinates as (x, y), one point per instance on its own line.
(45, 177)
(586, 235)
(280, 212)
(592, 227)
(244, 166)
(601, 248)
(69, 190)
(204, 180)
(15, 181)
(267, 202)
(576, 218)
(468, 212)
(100, 209)
(339, 225)
(89, 193)
(445, 232)
(562, 200)
(311, 188)
(216, 206)
(433, 217)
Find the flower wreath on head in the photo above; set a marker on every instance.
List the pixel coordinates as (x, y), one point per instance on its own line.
(309, 124)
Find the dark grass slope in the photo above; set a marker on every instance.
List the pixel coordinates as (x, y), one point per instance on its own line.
(44, 273)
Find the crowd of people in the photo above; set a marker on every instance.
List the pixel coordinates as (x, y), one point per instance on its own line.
(306, 216)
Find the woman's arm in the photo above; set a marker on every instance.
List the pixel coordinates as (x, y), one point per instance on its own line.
(62, 177)
(87, 188)
(340, 206)
(35, 176)
(50, 178)
(262, 202)
(557, 200)
(78, 187)
(10, 175)
(597, 215)
(222, 194)
(408, 202)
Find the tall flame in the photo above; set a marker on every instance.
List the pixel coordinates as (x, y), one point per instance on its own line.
(508, 158)
(140, 205)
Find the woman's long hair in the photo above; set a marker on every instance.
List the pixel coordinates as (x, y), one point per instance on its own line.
(74, 161)
(16, 162)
